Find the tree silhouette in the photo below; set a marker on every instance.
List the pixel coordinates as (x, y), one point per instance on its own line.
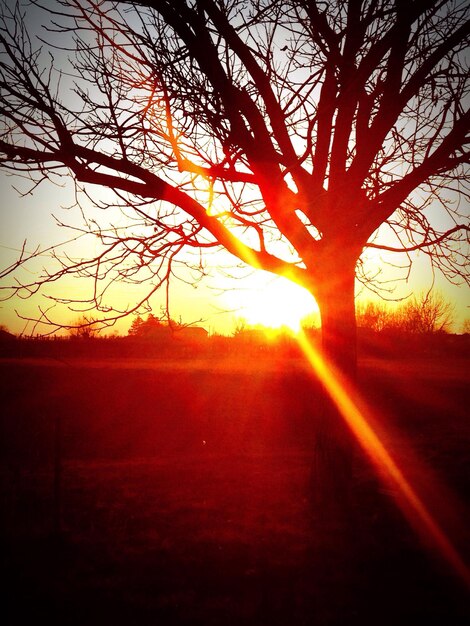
(284, 132)
(152, 326)
(428, 313)
(82, 328)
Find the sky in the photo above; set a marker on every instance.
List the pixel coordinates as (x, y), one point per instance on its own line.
(218, 302)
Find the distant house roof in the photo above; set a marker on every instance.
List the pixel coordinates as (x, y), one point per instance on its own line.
(191, 333)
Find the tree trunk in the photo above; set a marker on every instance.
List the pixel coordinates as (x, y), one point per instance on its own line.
(339, 335)
(332, 472)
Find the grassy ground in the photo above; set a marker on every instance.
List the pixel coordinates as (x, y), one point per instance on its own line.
(186, 496)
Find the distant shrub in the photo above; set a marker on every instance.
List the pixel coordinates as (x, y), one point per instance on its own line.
(426, 314)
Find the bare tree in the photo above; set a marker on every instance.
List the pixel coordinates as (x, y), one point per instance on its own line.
(428, 313)
(286, 133)
(373, 316)
(82, 328)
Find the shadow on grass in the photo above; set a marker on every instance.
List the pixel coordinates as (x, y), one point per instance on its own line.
(186, 500)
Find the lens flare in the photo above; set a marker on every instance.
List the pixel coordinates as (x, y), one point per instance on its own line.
(354, 413)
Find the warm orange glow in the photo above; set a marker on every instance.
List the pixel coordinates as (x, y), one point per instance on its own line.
(272, 302)
(356, 418)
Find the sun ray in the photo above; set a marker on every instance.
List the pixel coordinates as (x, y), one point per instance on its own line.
(356, 418)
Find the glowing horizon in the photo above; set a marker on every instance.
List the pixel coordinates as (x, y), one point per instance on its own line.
(272, 302)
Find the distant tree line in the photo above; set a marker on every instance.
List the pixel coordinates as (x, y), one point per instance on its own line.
(424, 323)
(426, 314)
(151, 327)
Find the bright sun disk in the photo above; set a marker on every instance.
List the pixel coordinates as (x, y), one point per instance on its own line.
(273, 303)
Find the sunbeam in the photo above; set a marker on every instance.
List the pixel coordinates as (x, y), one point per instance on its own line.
(353, 411)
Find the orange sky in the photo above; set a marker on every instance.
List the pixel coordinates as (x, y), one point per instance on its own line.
(218, 301)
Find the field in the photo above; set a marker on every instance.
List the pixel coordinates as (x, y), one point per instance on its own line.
(145, 493)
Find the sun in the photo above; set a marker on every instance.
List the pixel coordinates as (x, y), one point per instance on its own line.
(273, 302)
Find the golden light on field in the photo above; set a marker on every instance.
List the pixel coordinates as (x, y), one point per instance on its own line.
(272, 302)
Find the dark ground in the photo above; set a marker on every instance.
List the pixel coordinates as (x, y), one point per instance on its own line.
(185, 496)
